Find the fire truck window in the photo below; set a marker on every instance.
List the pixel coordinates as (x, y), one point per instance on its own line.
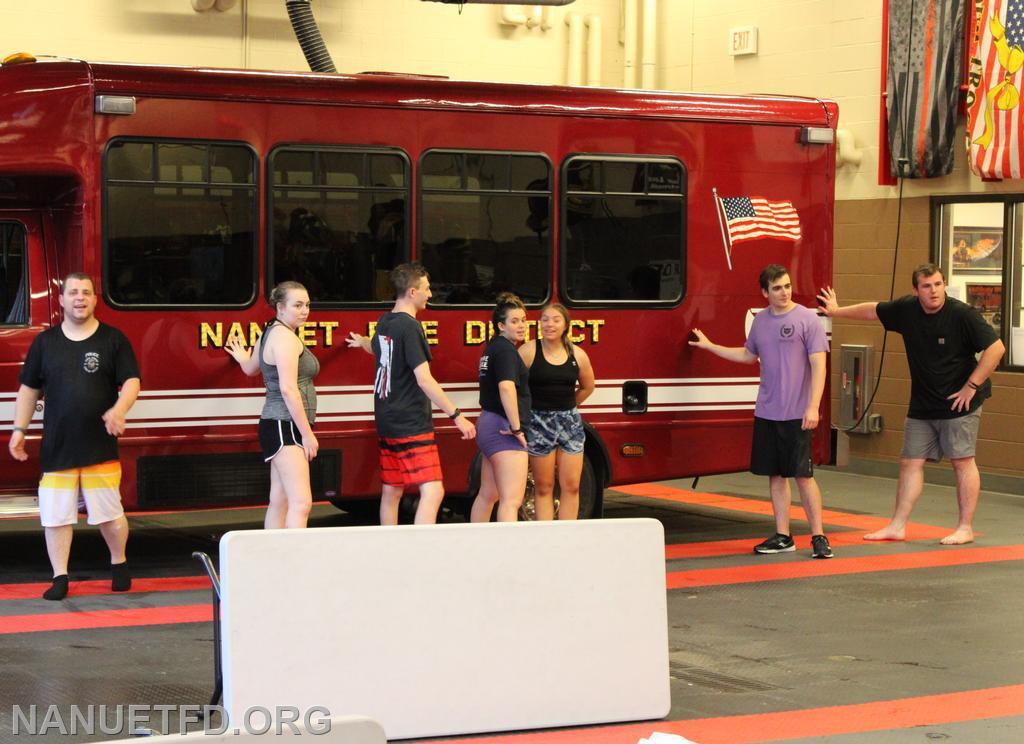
(171, 245)
(443, 164)
(387, 170)
(341, 235)
(293, 168)
(230, 165)
(527, 173)
(488, 172)
(625, 244)
(484, 228)
(341, 168)
(130, 161)
(624, 178)
(182, 163)
(13, 275)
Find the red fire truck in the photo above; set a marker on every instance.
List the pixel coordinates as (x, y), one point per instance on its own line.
(189, 193)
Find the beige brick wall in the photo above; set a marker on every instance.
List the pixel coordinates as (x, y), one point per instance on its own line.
(863, 272)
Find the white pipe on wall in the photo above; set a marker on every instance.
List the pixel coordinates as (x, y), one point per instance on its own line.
(593, 49)
(629, 8)
(574, 66)
(648, 70)
(512, 17)
(536, 16)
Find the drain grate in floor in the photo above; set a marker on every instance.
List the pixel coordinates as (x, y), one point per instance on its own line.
(715, 680)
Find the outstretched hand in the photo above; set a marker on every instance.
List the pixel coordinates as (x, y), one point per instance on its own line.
(236, 347)
(829, 301)
(702, 342)
(358, 341)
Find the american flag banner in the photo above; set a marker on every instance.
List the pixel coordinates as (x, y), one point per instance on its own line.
(993, 99)
(924, 70)
(750, 218)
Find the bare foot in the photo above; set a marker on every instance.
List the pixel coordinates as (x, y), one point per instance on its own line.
(887, 533)
(962, 536)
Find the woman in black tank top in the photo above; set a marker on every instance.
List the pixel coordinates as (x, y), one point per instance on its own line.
(561, 377)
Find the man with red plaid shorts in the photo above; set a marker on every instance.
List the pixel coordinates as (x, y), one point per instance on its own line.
(403, 390)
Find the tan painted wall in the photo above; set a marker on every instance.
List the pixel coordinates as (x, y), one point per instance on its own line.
(865, 230)
(395, 35)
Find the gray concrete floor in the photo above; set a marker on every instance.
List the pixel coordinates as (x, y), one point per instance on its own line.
(735, 649)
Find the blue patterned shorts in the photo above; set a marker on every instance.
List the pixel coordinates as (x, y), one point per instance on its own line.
(551, 430)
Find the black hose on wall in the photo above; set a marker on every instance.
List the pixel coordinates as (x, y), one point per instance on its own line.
(300, 13)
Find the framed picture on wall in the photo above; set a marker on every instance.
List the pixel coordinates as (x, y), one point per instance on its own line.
(977, 249)
(987, 299)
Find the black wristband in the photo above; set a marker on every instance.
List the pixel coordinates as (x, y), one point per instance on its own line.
(971, 385)
(516, 431)
(455, 414)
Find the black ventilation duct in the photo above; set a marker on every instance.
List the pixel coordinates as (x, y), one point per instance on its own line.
(300, 13)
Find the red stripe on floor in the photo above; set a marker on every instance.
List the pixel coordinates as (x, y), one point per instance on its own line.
(106, 619)
(950, 556)
(929, 710)
(102, 586)
(764, 506)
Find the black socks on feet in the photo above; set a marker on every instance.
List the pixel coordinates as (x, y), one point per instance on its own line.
(120, 579)
(59, 589)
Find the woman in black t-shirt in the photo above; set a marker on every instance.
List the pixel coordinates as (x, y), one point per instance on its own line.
(505, 404)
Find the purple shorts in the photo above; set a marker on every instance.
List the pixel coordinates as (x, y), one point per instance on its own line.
(489, 437)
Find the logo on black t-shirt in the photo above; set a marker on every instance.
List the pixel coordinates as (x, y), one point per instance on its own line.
(382, 385)
(92, 361)
(786, 331)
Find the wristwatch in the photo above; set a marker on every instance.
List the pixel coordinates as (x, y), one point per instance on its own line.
(455, 414)
(22, 429)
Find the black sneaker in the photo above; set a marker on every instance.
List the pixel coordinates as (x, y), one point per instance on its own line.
(777, 543)
(820, 547)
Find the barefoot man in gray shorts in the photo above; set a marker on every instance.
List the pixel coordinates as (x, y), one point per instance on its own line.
(948, 384)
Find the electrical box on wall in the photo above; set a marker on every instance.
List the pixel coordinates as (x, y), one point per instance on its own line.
(743, 40)
(856, 383)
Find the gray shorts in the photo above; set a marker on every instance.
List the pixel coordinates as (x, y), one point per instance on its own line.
(933, 439)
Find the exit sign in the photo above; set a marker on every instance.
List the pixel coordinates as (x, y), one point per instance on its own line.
(743, 40)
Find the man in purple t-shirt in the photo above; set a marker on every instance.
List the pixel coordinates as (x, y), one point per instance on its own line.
(791, 346)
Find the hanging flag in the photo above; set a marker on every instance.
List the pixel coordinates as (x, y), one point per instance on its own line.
(993, 99)
(750, 218)
(924, 70)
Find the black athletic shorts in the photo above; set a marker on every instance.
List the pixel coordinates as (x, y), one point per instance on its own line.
(781, 448)
(276, 434)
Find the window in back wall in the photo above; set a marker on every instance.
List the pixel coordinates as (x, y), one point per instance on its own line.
(978, 245)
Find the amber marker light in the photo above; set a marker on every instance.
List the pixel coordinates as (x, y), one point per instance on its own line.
(633, 450)
(18, 58)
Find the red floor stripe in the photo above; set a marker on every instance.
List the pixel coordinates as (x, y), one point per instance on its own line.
(102, 586)
(950, 556)
(106, 619)
(764, 506)
(928, 710)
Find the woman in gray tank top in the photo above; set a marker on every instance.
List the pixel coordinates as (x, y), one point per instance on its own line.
(289, 411)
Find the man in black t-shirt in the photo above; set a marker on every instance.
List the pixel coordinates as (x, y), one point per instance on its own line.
(948, 384)
(88, 377)
(403, 390)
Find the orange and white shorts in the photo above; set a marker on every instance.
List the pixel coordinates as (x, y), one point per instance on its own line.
(99, 485)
